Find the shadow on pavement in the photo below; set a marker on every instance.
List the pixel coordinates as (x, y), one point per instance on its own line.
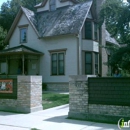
(2, 113)
(89, 125)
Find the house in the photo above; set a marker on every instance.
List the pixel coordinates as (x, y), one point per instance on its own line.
(62, 38)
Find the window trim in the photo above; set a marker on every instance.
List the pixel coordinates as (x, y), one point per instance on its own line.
(52, 5)
(96, 53)
(89, 63)
(93, 22)
(93, 62)
(24, 27)
(97, 31)
(91, 30)
(57, 52)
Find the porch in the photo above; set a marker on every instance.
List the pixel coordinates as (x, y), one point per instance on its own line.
(20, 60)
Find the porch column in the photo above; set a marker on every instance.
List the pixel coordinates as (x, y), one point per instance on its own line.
(23, 63)
(6, 66)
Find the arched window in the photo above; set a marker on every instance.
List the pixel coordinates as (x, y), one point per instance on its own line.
(52, 5)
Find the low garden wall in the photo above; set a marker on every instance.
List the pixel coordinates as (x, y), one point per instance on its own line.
(99, 99)
(28, 97)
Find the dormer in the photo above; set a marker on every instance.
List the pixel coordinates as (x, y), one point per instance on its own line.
(52, 5)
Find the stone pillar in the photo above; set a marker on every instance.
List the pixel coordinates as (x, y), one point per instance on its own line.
(78, 98)
(29, 96)
(29, 93)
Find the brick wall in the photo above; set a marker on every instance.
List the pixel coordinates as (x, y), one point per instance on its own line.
(82, 106)
(29, 96)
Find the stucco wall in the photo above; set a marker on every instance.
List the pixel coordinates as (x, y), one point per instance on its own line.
(46, 44)
(89, 45)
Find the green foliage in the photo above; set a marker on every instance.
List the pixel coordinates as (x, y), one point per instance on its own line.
(10, 9)
(116, 14)
(125, 73)
(121, 57)
(52, 100)
(117, 17)
(3, 34)
(44, 86)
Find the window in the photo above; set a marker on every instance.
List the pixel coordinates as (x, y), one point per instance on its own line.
(52, 5)
(95, 31)
(23, 35)
(91, 63)
(88, 30)
(96, 63)
(88, 63)
(57, 63)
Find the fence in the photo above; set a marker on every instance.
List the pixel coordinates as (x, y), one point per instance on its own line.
(99, 99)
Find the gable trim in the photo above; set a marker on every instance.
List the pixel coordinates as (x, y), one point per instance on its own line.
(16, 20)
(22, 26)
(85, 18)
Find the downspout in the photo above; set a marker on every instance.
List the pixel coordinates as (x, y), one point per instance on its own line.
(80, 52)
(80, 44)
(23, 63)
(6, 67)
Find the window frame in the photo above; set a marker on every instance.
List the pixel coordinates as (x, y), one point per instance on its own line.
(93, 63)
(88, 63)
(96, 55)
(57, 63)
(20, 28)
(51, 5)
(86, 30)
(96, 32)
(21, 41)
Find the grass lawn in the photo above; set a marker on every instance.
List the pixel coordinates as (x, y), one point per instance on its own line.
(50, 100)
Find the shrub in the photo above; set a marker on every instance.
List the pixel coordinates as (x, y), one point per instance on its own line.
(44, 86)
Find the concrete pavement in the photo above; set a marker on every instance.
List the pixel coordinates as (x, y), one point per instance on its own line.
(50, 119)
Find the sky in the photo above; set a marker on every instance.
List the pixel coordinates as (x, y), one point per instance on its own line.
(1, 1)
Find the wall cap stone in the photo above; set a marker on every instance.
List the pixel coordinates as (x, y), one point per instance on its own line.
(78, 78)
(29, 79)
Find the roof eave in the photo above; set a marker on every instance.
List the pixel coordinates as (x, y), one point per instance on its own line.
(116, 44)
(15, 23)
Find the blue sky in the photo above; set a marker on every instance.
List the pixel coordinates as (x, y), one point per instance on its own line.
(2, 1)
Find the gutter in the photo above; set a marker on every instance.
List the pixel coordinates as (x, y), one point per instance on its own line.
(80, 53)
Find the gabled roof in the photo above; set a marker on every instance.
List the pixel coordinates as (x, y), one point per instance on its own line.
(110, 39)
(31, 18)
(67, 20)
(20, 50)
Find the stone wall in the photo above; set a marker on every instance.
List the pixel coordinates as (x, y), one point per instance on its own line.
(80, 108)
(29, 96)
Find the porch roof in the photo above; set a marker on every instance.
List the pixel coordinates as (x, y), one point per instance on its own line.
(22, 49)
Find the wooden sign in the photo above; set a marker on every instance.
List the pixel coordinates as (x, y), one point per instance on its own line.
(6, 86)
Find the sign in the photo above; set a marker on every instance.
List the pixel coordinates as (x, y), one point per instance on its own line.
(122, 124)
(6, 86)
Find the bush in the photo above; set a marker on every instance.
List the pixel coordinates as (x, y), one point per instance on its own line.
(44, 86)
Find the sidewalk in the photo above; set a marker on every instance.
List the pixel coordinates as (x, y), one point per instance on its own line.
(50, 119)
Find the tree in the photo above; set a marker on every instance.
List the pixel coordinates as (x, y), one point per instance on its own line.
(2, 37)
(10, 9)
(116, 15)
